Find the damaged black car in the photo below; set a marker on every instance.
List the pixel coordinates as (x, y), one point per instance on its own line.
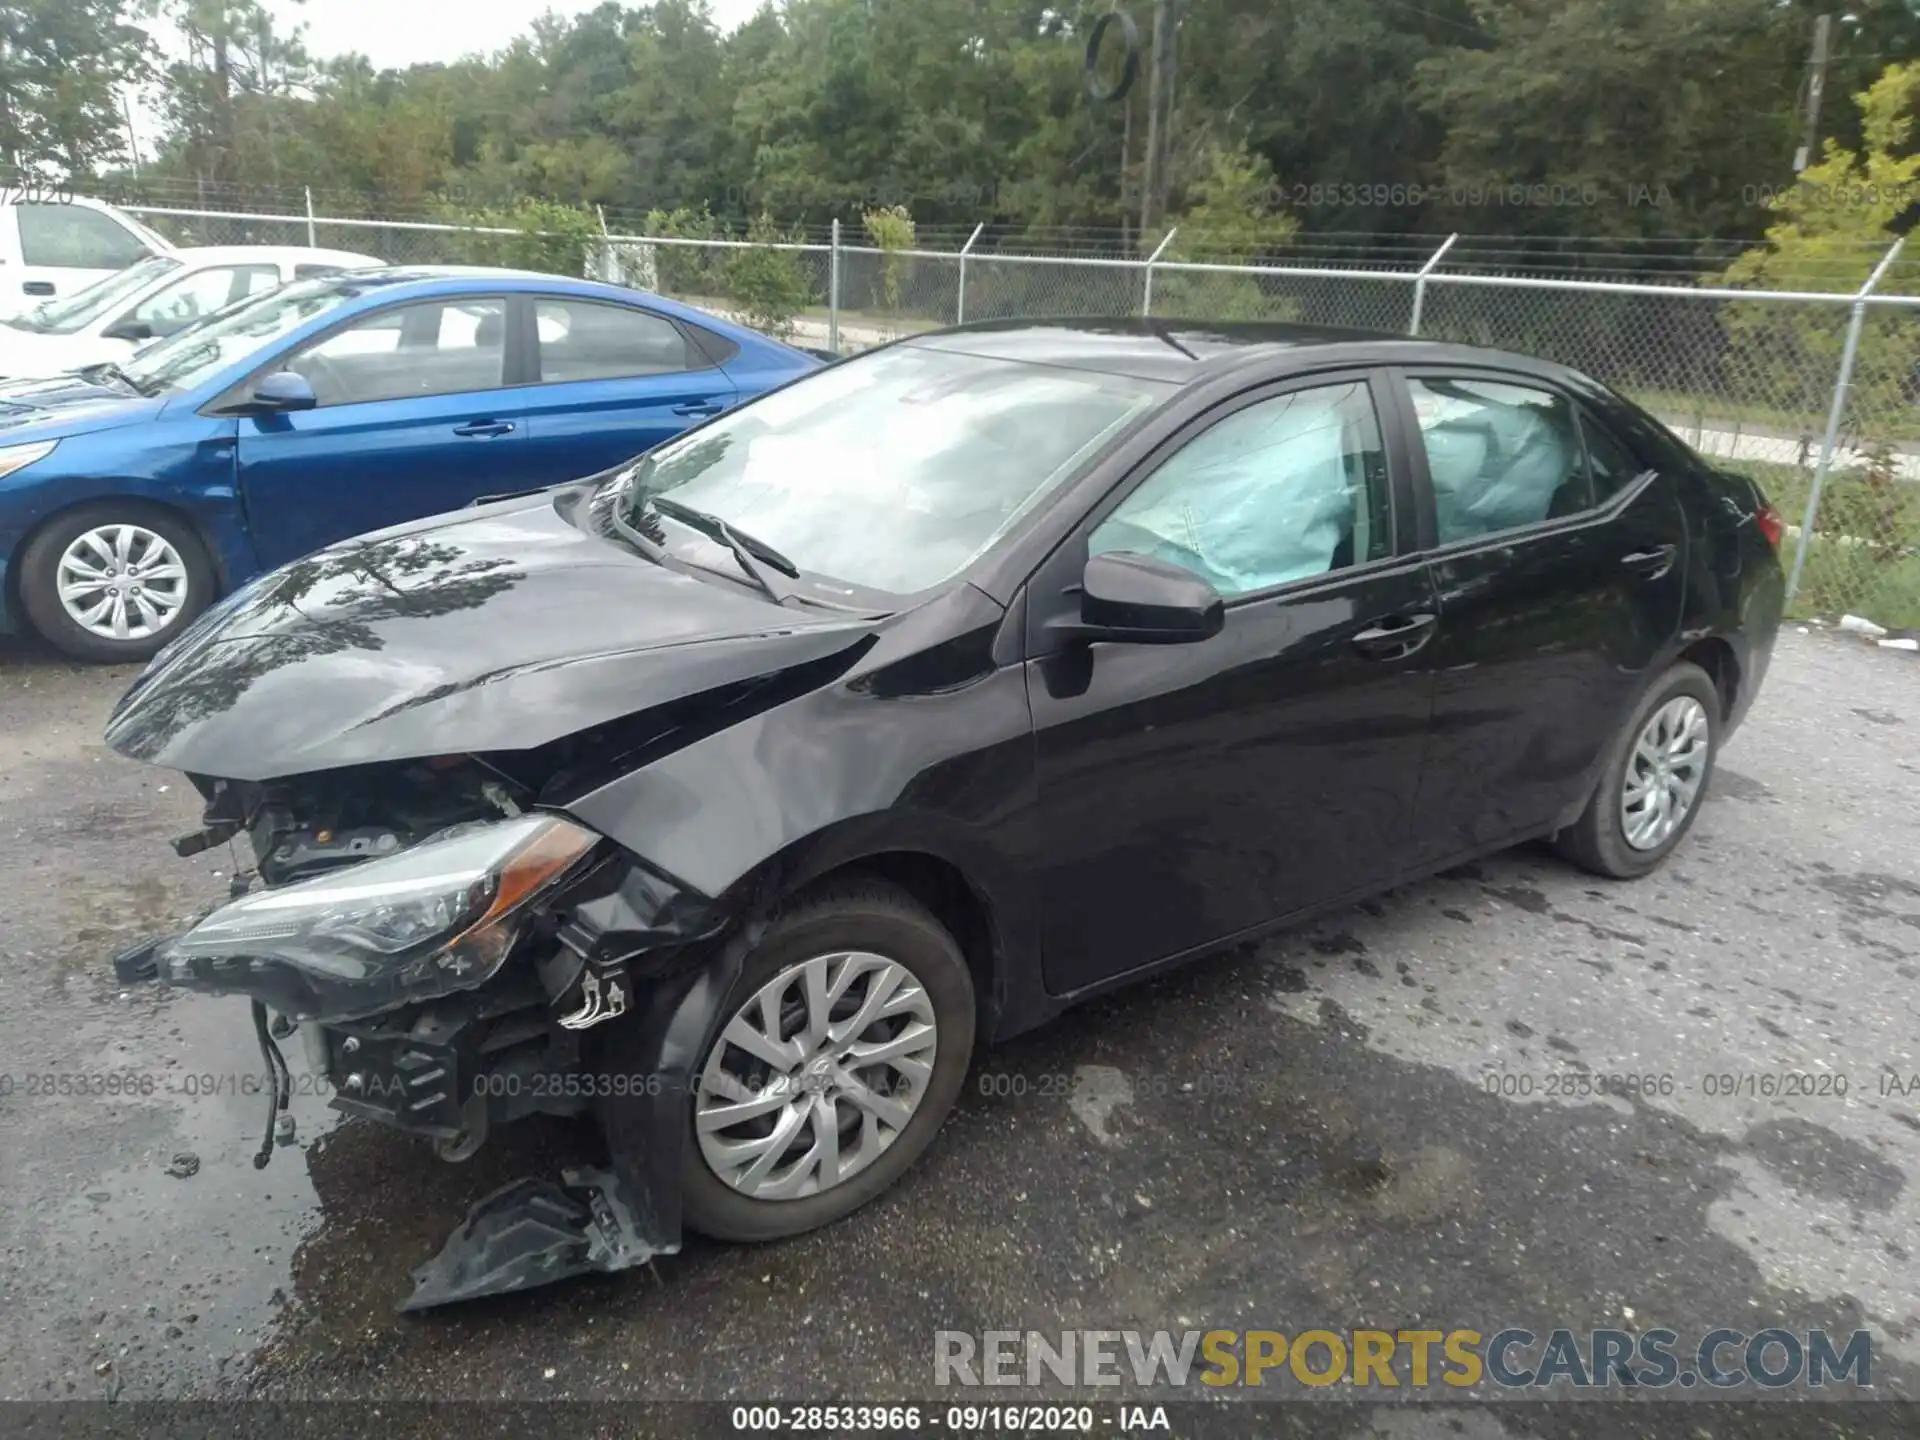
(734, 795)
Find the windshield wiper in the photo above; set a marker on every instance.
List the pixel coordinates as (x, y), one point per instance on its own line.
(108, 370)
(755, 556)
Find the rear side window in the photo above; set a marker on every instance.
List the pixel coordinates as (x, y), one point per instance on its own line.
(1612, 465)
(75, 237)
(581, 340)
(1501, 456)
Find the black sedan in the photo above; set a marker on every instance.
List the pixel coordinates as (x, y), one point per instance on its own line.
(736, 794)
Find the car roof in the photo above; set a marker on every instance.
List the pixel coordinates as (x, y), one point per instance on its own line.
(221, 254)
(1187, 351)
(428, 281)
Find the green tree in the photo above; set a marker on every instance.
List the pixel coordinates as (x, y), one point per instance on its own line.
(62, 63)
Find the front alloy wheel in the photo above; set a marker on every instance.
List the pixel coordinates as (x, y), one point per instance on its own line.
(816, 1075)
(840, 1050)
(122, 582)
(115, 580)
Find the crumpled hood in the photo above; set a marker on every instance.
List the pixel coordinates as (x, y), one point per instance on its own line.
(499, 628)
(59, 405)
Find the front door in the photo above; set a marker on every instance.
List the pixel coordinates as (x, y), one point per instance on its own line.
(1559, 564)
(414, 418)
(1190, 792)
(613, 381)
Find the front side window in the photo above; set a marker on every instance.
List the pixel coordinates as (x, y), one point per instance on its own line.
(76, 237)
(437, 348)
(580, 340)
(1500, 455)
(193, 297)
(1283, 490)
(892, 471)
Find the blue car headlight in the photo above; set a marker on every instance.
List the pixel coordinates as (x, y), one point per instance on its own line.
(436, 918)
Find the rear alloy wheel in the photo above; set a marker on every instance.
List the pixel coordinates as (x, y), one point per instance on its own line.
(844, 1045)
(114, 583)
(1656, 777)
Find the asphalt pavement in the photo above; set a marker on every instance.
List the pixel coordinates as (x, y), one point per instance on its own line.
(1379, 1119)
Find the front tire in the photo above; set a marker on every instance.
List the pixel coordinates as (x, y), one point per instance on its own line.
(841, 1049)
(114, 581)
(1655, 781)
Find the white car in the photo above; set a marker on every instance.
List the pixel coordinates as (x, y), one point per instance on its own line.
(151, 299)
(56, 245)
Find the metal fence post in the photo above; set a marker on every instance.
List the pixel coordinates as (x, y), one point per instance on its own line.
(833, 291)
(960, 309)
(1146, 290)
(1420, 282)
(1842, 385)
(312, 241)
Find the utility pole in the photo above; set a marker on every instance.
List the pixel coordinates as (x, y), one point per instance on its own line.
(1155, 181)
(1816, 87)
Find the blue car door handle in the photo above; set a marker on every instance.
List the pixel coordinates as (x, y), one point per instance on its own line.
(485, 429)
(699, 407)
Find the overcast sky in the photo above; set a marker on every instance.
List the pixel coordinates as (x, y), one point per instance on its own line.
(406, 32)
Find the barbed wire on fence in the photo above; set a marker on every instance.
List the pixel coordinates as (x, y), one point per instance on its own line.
(1747, 377)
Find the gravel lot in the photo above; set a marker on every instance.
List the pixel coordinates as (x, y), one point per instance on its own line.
(1299, 1135)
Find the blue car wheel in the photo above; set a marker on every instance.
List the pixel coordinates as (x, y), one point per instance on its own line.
(114, 581)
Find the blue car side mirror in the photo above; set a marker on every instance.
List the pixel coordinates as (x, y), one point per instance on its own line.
(281, 391)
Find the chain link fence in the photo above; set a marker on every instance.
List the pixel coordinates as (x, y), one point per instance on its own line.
(1766, 383)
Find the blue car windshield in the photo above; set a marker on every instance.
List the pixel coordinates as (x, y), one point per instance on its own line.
(893, 471)
(183, 361)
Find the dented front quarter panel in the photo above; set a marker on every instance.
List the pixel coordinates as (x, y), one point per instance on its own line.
(856, 767)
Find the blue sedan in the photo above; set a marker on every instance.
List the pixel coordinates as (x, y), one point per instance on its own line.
(132, 495)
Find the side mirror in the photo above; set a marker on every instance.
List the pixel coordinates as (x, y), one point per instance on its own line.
(138, 331)
(280, 392)
(1134, 598)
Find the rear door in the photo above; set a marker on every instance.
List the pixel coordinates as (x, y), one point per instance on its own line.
(1190, 792)
(416, 415)
(1559, 569)
(611, 382)
(65, 248)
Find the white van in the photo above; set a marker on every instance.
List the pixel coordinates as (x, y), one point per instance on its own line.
(52, 246)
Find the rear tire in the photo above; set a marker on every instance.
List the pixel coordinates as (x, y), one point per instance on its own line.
(869, 924)
(71, 568)
(1645, 752)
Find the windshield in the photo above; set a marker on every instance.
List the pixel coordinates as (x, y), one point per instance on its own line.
(184, 360)
(895, 470)
(63, 317)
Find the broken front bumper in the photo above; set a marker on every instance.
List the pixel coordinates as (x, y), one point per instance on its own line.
(612, 1018)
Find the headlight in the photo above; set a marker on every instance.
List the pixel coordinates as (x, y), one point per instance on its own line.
(431, 920)
(18, 457)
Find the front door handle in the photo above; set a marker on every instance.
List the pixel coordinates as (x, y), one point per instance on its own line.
(1652, 563)
(1395, 637)
(699, 407)
(485, 429)
(37, 287)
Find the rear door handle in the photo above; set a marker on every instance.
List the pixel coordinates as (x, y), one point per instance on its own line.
(485, 429)
(699, 407)
(1652, 563)
(37, 287)
(1395, 637)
